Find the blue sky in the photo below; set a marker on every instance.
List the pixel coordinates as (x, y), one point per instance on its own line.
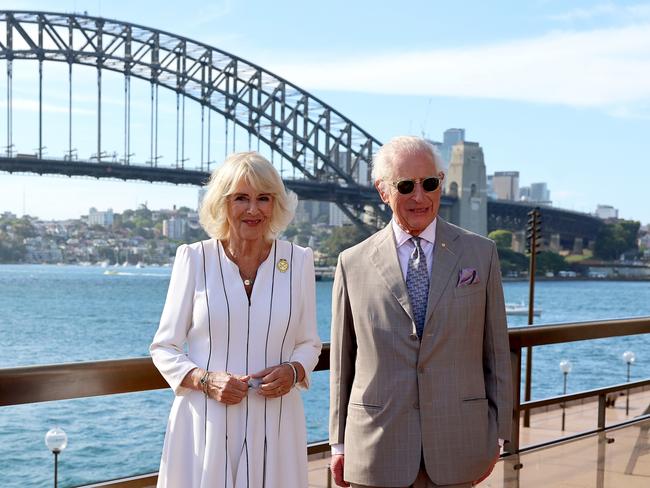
(558, 90)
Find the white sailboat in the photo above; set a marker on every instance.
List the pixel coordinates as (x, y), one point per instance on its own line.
(521, 309)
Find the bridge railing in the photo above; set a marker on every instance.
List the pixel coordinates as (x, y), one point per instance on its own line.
(33, 384)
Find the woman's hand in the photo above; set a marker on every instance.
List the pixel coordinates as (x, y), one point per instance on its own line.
(226, 388)
(276, 380)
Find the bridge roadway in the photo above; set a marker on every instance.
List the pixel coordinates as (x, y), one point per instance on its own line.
(323, 191)
(501, 214)
(570, 225)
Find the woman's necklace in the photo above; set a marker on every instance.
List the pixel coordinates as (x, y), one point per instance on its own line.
(247, 278)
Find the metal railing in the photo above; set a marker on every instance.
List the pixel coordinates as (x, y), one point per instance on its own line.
(542, 335)
(33, 384)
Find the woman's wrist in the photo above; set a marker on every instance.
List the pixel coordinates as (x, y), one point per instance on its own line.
(301, 371)
(203, 381)
(294, 371)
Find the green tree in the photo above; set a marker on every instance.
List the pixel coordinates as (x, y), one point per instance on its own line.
(615, 239)
(512, 261)
(502, 238)
(291, 231)
(550, 261)
(23, 227)
(342, 238)
(11, 251)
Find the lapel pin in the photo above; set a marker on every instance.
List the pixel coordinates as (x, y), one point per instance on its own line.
(283, 265)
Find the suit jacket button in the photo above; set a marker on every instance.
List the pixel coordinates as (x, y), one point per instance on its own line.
(413, 337)
(421, 370)
(416, 405)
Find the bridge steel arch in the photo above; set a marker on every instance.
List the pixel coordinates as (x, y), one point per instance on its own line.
(320, 142)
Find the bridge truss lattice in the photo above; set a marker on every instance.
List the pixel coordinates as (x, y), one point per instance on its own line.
(323, 145)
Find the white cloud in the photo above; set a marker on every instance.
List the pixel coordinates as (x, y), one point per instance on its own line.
(605, 68)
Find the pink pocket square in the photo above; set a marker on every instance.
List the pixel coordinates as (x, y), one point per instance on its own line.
(466, 277)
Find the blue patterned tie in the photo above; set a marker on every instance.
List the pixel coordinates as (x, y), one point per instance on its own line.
(417, 284)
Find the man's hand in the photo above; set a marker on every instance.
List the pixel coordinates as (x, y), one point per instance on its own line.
(336, 466)
(489, 471)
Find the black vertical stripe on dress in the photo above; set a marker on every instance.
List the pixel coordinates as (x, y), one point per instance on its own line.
(287, 327)
(207, 366)
(225, 294)
(266, 353)
(245, 446)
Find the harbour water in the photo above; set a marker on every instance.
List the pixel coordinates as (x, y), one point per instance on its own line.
(54, 314)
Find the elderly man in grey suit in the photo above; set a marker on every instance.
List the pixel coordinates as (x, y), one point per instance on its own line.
(421, 392)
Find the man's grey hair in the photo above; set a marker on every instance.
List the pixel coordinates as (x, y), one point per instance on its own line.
(383, 160)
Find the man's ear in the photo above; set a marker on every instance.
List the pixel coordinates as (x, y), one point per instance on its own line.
(381, 189)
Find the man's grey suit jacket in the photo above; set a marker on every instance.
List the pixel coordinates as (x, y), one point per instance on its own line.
(393, 397)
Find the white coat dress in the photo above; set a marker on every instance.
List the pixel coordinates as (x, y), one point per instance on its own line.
(208, 322)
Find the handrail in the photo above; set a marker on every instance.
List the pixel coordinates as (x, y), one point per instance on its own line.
(33, 384)
(542, 335)
(581, 395)
(43, 383)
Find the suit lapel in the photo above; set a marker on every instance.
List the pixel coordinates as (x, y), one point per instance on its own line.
(445, 256)
(384, 258)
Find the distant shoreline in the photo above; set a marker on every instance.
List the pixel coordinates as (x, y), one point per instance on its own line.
(577, 278)
(505, 279)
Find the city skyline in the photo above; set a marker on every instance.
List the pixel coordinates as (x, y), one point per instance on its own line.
(558, 93)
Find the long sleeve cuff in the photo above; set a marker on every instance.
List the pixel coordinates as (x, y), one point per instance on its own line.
(337, 449)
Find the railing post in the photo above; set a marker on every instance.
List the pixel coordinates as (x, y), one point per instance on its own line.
(602, 441)
(602, 404)
(511, 462)
(528, 383)
(512, 446)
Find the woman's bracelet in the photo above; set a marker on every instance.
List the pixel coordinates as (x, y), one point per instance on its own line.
(204, 382)
(295, 372)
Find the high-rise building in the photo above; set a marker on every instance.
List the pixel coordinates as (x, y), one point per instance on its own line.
(506, 185)
(103, 218)
(453, 136)
(540, 193)
(450, 138)
(174, 228)
(337, 217)
(201, 195)
(490, 187)
(606, 212)
(312, 211)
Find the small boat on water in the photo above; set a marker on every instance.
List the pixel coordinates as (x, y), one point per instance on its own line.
(521, 309)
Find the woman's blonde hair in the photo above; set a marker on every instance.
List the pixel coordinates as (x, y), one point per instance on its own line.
(258, 172)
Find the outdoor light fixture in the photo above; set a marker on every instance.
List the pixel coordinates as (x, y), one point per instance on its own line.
(565, 367)
(56, 441)
(629, 357)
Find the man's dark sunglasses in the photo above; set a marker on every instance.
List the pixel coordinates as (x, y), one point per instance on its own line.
(407, 186)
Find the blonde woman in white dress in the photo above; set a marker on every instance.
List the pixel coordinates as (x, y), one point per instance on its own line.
(237, 339)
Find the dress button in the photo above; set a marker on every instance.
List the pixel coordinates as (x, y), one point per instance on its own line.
(413, 337)
(416, 405)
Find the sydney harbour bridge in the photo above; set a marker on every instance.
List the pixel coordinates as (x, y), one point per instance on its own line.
(212, 103)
